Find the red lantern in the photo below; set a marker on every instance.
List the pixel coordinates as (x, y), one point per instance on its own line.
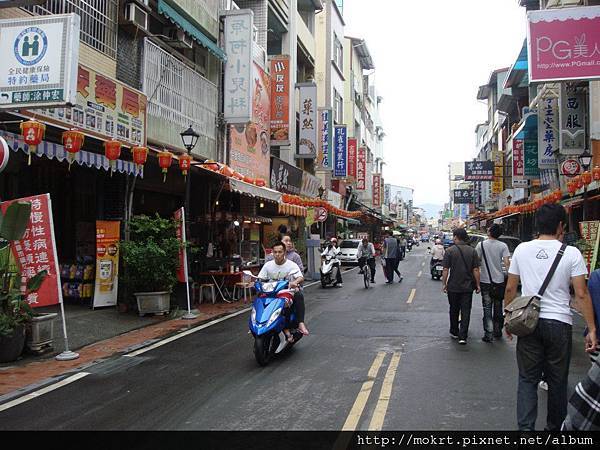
(33, 134)
(112, 151)
(140, 155)
(72, 141)
(571, 187)
(185, 162)
(578, 181)
(586, 177)
(596, 173)
(249, 180)
(164, 161)
(238, 176)
(226, 170)
(211, 165)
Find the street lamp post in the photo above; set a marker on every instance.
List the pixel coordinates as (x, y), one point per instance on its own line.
(585, 159)
(508, 199)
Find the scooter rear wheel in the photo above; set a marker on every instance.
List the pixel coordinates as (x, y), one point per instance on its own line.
(262, 349)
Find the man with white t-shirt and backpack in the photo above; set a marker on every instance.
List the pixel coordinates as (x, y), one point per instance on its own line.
(548, 348)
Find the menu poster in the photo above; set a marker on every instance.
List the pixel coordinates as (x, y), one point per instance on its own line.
(37, 251)
(107, 263)
(589, 233)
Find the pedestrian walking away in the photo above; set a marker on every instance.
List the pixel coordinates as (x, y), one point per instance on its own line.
(460, 278)
(547, 349)
(493, 253)
(390, 253)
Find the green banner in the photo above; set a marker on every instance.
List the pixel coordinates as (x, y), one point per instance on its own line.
(531, 159)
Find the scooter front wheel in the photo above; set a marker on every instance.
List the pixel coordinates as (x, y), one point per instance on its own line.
(262, 349)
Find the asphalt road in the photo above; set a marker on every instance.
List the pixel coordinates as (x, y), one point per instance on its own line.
(376, 359)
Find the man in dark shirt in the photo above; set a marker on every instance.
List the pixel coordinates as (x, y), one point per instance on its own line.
(462, 263)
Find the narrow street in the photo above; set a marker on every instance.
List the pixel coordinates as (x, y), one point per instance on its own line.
(365, 347)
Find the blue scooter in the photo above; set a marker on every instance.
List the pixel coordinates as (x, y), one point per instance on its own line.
(271, 314)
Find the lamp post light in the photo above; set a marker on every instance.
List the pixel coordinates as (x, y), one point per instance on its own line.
(508, 199)
(585, 159)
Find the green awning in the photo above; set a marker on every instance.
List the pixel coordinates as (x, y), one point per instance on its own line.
(186, 25)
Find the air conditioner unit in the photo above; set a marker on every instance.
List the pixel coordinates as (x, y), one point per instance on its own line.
(136, 15)
(180, 39)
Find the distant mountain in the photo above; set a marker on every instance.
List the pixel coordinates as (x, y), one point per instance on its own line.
(432, 210)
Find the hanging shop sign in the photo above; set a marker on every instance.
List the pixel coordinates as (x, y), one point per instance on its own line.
(570, 168)
(39, 61)
(107, 263)
(325, 158)
(479, 171)
(105, 109)
(498, 183)
(285, 178)
(340, 160)
(518, 158)
(280, 100)
(530, 152)
(37, 251)
(4, 154)
(463, 196)
(548, 126)
(376, 190)
(352, 156)
(310, 185)
(590, 233)
(572, 121)
(307, 144)
(238, 86)
(249, 151)
(594, 108)
(361, 169)
(564, 44)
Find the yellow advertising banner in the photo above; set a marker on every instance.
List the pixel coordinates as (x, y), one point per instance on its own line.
(498, 183)
(107, 262)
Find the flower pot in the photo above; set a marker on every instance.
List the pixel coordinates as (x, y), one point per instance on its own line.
(11, 346)
(153, 302)
(40, 332)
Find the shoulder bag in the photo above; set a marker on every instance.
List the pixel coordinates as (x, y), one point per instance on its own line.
(469, 270)
(496, 289)
(523, 313)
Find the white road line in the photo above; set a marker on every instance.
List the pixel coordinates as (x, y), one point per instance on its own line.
(419, 274)
(411, 297)
(43, 391)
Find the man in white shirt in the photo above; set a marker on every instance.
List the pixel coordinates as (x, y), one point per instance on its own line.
(548, 348)
(281, 268)
(492, 290)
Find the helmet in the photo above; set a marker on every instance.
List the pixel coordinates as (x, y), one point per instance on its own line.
(333, 240)
(438, 241)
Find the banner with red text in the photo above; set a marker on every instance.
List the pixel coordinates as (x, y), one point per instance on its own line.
(352, 157)
(361, 169)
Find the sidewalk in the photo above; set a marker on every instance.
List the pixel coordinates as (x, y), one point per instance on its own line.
(100, 334)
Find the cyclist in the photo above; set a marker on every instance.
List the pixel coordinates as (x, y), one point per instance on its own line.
(366, 254)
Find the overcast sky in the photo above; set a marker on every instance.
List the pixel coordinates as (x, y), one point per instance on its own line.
(430, 58)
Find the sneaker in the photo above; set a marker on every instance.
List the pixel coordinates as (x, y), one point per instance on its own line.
(543, 385)
(400, 280)
(462, 341)
(372, 281)
(453, 336)
(486, 339)
(339, 285)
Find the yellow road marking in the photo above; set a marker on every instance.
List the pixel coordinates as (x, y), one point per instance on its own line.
(363, 396)
(384, 397)
(411, 297)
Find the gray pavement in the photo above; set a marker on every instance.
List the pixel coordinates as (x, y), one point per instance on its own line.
(209, 380)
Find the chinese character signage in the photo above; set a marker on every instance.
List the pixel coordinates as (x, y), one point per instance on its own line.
(361, 169)
(548, 133)
(518, 159)
(376, 190)
(285, 177)
(39, 61)
(530, 151)
(307, 145)
(250, 149)
(463, 196)
(564, 44)
(572, 121)
(590, 233)
(340, 160)
(238, 84)
(107, 263)
(498, 183)
(105, 109)
(37, 251)
(352, 157)
(325, 160)
(280, 100)
(479, 171)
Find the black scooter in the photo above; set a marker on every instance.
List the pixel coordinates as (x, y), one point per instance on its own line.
(436, 269)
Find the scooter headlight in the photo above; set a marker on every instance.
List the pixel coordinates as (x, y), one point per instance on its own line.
(274, 316)
(253, 316)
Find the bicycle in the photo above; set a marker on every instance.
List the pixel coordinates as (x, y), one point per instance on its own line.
(367, 275)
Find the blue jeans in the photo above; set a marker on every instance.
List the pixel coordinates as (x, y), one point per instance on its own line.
(493, 319)
(547, 350)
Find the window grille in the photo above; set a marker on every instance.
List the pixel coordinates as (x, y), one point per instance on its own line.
(338, 108)
(98, 20)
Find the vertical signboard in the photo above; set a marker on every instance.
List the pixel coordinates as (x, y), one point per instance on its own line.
(518, 171)
(352, 163)
(361, 169)
(547, 133)
(498, 183)
(572, 121)
(37, 251)
(590, 234)
(340, 160)
(376, 190)
(325, 161)
(530, 152)
(107, 263)
(307, 145)
(182, 270)
(280, 100)
(238, 87)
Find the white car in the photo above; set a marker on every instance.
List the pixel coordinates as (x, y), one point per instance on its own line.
(349, 251)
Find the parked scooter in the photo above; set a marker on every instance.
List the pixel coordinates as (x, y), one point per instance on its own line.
(272, 313)
(436, 269)
(328, 271)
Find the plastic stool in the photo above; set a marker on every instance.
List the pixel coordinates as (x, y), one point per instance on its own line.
(212, 291)
(245, 288)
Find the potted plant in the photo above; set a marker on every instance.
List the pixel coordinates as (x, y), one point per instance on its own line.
(15, 312)
(150, 262)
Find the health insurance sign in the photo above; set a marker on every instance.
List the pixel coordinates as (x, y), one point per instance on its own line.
(39, 61)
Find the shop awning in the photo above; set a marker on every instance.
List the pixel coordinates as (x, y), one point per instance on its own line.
(186, 25)
(518, 76)
(528, 128)
(506, 216)
(254, 191)
(56, 151)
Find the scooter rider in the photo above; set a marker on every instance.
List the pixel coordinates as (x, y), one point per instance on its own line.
(366, 255)
(333, 250)
(281, 268)
(437, 253)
